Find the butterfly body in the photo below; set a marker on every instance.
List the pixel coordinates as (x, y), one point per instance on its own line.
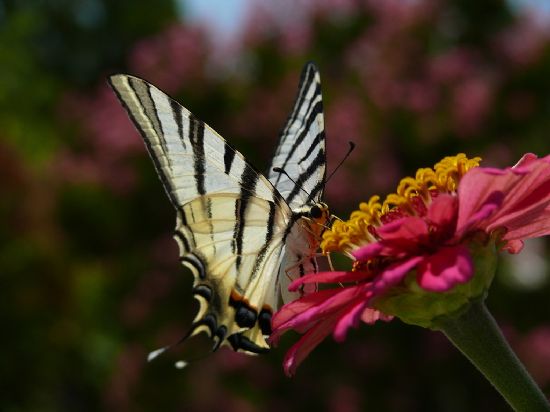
(243, 235)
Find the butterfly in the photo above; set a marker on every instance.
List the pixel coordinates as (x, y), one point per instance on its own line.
(244, 235)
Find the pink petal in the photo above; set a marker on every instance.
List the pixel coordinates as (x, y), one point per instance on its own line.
(446, 268)
(525, 191)
(477, 191)
(525, 160)
(513, 246)
(294, 308)
(487, 209)
(327, 277)
(398, 238)
(368, 251)
(299, 351)
(443, 211)
(394, 274)
(350, 318)
(297, 315)
(404, 229)
(369, 316)
(534, 222)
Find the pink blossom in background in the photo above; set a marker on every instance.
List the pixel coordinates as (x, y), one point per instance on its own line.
(420, 96)
(471, 104)
(452, 65)
(172, 58)
(534, 350)
(264, 114)
(260, 24)
(402, 14)
(523, 43)
(345, 121)
(111, 140)
(296, 39)
(111, 133)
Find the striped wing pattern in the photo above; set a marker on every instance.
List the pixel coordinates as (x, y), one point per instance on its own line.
(301, 148)
(220, 201)
(242, 239)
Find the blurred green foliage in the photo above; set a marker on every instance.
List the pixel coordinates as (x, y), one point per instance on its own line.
(89, 275)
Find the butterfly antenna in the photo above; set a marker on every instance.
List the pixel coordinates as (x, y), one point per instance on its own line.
(351, 147)
(283, 171)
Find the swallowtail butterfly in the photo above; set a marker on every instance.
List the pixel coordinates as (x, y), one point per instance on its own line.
(243, 235)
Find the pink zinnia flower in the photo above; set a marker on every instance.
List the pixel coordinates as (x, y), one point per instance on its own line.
(425, 252)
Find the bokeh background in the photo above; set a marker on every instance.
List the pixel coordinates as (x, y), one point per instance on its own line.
(89, 276)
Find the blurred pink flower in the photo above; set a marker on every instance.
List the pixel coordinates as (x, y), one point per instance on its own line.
(431, 227)
(172, 58)
(452, 65)
(534, 350)
(524, 42)
(296, 39)
(345, 121)
(471, 104)
(111, 141)
(420, 96)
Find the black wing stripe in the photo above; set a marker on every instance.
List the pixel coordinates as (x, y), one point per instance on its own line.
(239, 341)
(317, 109)
(316, 141)
(305, 83)
(317, 192)
(268, 237)
(318, 162)
(179, 234)
(196, 137)
(204, 291)
(249, 179)
(165, 182)
(228, 156)
(176, 111)
(153, 114)
(196, 262)
(143, 94)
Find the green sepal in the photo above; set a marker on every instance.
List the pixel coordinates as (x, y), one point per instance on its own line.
(416, 306)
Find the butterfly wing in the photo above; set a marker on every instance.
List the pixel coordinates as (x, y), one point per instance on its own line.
(301, 154)
(301, 148)
(231, 222)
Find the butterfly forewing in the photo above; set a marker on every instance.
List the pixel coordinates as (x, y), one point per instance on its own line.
(231, 220)
(301, 149)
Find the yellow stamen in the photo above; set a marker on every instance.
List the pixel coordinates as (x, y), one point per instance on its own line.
(357, 231)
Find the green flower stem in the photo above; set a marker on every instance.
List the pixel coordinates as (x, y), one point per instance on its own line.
(476, 334)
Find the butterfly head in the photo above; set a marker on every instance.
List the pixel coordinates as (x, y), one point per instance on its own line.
(316, 218)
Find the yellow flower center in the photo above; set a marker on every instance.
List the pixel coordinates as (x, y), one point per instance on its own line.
(413, 195)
